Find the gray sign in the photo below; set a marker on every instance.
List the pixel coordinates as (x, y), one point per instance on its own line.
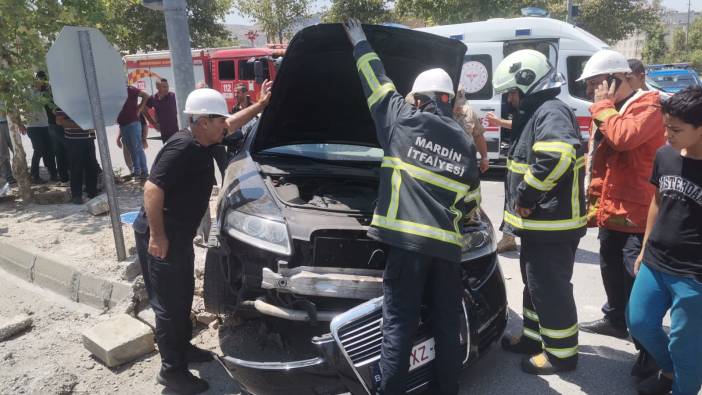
(68, 81)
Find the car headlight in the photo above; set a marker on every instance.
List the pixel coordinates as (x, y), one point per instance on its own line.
(264, 233)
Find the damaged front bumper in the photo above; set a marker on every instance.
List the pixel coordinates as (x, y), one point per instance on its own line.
(347, 357)
(325, 374)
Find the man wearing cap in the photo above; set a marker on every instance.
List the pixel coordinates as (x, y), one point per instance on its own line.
(626, 131)
(428, 181)
(176, 196)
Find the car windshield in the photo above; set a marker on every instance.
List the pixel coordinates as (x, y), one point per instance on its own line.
(671, 81)
(330, 152)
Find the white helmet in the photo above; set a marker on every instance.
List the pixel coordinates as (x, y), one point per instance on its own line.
(433, 80)
(605, 61)
(206, 101)
(527, 70)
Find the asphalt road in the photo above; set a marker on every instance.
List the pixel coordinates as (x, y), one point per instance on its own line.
(116, 156)
(604, 362)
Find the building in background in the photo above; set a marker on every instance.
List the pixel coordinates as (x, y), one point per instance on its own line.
(672, 20)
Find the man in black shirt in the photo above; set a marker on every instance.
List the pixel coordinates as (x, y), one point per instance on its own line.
(176, 196)
(671, 274)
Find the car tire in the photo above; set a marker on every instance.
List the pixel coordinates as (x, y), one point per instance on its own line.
(218, 295)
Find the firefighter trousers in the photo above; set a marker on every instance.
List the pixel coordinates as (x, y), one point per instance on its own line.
(550, 316)
(409, 279)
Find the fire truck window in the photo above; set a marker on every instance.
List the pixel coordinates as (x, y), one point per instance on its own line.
(226, 70)
(575, 66)
(246, 70)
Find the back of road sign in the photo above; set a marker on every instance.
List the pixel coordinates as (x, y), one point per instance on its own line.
(67, 76)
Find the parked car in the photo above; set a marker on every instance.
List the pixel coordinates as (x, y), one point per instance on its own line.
(290, 237)
(671, 78)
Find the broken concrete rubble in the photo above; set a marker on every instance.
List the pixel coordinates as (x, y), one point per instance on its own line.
(14, 325)
(119, 340)
(98, 205)
(51, 195)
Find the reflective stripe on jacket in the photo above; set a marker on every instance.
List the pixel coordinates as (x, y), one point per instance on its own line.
(545, 173)
(429, 173)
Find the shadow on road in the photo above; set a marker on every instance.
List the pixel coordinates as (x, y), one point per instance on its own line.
(585, 256)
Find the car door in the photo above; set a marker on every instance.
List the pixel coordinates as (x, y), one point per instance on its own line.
(476, 77)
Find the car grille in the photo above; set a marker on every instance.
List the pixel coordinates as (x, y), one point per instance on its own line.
(361, 338)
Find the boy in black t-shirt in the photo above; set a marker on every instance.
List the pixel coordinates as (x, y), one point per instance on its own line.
(671, 274)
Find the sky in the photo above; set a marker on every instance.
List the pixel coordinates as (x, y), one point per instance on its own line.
(681, 5)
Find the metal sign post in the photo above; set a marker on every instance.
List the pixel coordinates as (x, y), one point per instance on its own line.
(91, 81)
(89, 84)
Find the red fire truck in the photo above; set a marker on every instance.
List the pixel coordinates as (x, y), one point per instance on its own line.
(220, 68)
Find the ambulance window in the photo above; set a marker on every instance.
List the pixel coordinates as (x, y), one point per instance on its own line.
(226, 70)
(476, 77)
(575, 66)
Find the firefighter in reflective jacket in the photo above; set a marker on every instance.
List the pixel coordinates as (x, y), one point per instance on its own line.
(428, 182)
(545, 207)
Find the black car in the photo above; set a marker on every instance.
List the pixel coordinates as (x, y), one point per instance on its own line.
(290, 239)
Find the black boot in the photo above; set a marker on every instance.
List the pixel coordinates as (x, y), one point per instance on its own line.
(645, 365)
(520, 345)
(197, 355)
(657, 384)
(182, 382)
(540, 364)
(605, 327)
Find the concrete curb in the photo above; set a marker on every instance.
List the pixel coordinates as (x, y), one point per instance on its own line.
(46, 272)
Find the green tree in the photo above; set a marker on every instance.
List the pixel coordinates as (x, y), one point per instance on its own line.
(276, 17)
(614, 20)
(367, 11)
(26, 28)
(610, 20)
(29, 27)
(678, 41)
(655, 48)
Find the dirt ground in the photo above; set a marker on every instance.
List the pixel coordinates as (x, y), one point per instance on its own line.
(70, 232)
(50, 358)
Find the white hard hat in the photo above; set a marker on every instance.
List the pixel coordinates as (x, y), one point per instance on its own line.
(526, 70)
(605, 61)
(206, 101)
(433, 80)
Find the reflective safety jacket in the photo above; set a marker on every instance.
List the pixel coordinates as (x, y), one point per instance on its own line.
(546, 169)
(429, 174)
(623, 144)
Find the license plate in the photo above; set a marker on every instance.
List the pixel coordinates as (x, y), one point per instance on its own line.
(422, 354)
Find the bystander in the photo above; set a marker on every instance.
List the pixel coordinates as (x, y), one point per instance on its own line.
(166, 114)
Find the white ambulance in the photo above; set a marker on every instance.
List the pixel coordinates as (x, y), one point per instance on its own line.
(490, 41)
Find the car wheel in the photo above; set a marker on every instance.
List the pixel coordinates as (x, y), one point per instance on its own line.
(218, 294)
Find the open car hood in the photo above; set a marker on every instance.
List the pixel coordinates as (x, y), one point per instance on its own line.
(317, 95)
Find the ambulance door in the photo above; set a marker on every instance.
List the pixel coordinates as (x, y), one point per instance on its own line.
(476, 77)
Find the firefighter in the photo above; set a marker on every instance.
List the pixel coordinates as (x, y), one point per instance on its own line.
(428, 181)
(545, 207)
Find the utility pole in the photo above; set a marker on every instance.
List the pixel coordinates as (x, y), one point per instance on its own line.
(687, 30)
(569, 14)
(178, 34)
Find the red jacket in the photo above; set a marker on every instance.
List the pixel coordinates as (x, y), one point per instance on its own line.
(622, 148)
